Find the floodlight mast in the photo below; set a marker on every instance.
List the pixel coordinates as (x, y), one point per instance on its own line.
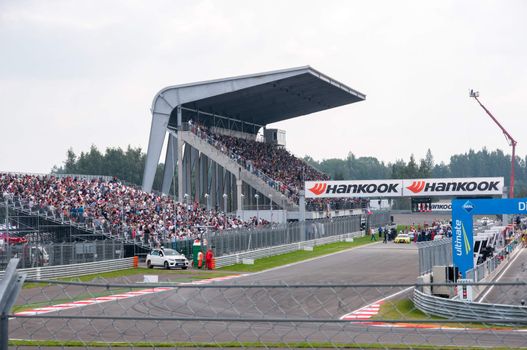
(512, 142)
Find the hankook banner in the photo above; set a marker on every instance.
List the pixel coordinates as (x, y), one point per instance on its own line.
(486, 186)
(478, 186)
(360, 188)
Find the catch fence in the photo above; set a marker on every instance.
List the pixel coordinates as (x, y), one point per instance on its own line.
(434, 253)
(243, 313)
(235, 241)
(52, 254)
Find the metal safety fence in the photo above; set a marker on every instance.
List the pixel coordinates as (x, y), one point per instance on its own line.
(75, 270)
(51, 254)
(496, 313)
(244, 313)
(235, 241)
(434, 253)
(227, 260)
(491, 266)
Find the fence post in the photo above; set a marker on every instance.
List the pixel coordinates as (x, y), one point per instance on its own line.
(9, 289)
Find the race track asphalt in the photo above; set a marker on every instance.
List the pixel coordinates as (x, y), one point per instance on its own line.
(516, 271)
(375, 263)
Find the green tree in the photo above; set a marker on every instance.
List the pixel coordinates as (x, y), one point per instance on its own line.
(126, 165)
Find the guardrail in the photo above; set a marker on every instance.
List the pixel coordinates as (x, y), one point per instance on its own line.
(74, 270)
(450, 309)
(50, 272)
(228, 260)
(445, 307)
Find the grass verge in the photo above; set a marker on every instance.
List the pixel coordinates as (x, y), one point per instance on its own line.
(266, 345)
(177, 276)
(405, 310)
(299, 255)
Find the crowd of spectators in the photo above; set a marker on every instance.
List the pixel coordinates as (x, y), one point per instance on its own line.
(116, 208)
(277, 166)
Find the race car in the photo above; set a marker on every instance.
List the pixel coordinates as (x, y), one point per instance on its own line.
(402, 238)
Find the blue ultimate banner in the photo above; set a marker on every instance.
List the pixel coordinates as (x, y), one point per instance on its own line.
(462, 224)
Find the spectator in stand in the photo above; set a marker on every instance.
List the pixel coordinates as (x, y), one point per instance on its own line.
(122, 210)
(279, 168)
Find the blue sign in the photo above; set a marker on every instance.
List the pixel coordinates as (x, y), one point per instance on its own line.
(462, 235)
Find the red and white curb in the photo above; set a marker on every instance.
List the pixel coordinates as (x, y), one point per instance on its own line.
(120, 296)
(364, 313)
(215, 279)
(91, 301)
(371, 310)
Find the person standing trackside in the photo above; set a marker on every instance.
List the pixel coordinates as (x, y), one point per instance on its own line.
(372, 233)
(385, 236)
(208, 259)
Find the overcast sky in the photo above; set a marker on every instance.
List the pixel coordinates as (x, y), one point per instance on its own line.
(77, 73)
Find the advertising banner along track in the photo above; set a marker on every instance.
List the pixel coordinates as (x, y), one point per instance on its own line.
(475, 186)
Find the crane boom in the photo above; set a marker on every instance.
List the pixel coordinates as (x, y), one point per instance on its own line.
(512, 142)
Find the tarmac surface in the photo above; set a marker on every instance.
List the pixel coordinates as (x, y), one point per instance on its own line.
(284, 314)
(516, 271)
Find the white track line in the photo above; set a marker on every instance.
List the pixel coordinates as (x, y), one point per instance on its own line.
(502, 273)
(312, 259)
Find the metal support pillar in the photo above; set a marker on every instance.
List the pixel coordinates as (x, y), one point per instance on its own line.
(170, 163)
(213, 184)
(228, 190)
(180, 176)
(239, 192)
(203, 177)
(187, 170)
(155, 144)
(302, 216)
(194, 174)
(220, 185)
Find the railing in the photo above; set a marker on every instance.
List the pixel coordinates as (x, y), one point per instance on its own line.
(482, 275)
(38, 254)
(487, 269)
(80, 176)
(236, 241)
(450, 308)
(246, 163)
(88, 224)
(50, 272)
(434, 253)
(282, 249)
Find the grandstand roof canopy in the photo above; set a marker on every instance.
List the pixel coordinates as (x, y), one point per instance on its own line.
(261, 98)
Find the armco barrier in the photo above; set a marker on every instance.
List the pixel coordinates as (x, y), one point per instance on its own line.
(50, 272)
(457, 309)
(444, 307)
(228, 260)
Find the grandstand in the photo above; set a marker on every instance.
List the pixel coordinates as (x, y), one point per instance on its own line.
(233, 171)
(223, 152)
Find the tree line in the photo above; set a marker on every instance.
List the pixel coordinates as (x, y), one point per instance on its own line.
(128, 165)
(473, 163)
